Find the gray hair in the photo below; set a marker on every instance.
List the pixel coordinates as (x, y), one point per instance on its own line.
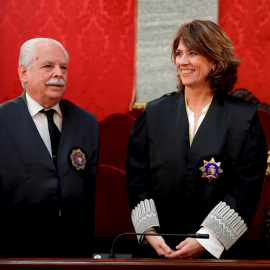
(27, 53)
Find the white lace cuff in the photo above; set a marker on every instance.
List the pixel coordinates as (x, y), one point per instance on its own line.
(144, 216)
(226, 224)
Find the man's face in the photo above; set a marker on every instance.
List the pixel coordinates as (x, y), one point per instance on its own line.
(46, 80)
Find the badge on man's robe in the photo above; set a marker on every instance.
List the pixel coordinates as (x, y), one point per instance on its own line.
(78, 159)
(211, 169)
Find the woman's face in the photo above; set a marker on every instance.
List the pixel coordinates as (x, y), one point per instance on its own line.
(192, 67)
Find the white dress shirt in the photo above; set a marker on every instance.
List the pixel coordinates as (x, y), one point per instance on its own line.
(41, 122)
(191, 120)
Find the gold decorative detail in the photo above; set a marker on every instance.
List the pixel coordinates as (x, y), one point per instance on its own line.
(78, 159)
(139, 105)
(268, 164)
(211, 169)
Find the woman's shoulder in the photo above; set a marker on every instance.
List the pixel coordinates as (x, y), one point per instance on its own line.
(165, 99)
(239, 103)
(238, 108)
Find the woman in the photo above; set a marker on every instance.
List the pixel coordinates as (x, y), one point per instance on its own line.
(197, 157)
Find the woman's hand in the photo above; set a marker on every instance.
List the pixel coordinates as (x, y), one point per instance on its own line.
(190, 248)
(158, 244)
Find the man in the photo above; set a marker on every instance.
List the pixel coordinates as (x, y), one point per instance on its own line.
(47, 188)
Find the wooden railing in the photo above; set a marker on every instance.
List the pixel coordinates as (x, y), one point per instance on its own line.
(155, 264)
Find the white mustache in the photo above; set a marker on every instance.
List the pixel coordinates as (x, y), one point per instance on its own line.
(55, 81)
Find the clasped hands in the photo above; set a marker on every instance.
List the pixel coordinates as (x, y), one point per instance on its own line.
(190, 248)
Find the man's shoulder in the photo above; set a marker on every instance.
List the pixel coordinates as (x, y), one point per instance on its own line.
(71, 108)
(11, 104)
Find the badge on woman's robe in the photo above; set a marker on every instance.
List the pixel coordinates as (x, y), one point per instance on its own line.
(211, 169)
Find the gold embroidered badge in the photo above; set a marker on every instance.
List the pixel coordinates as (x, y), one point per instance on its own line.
(78, 159)
(211, 169)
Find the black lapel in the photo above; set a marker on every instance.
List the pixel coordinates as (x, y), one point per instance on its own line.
(67, 126)
(209, 140)
(209, 126)
(169, 135)
(181, 129)
(66, 113)
(28, 132)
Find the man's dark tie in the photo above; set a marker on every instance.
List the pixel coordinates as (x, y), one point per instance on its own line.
(54, 132)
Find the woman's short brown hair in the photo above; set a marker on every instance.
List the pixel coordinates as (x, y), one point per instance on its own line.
(209, 40)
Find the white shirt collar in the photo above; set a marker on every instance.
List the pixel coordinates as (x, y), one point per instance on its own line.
(35, 107)
(204, 110)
